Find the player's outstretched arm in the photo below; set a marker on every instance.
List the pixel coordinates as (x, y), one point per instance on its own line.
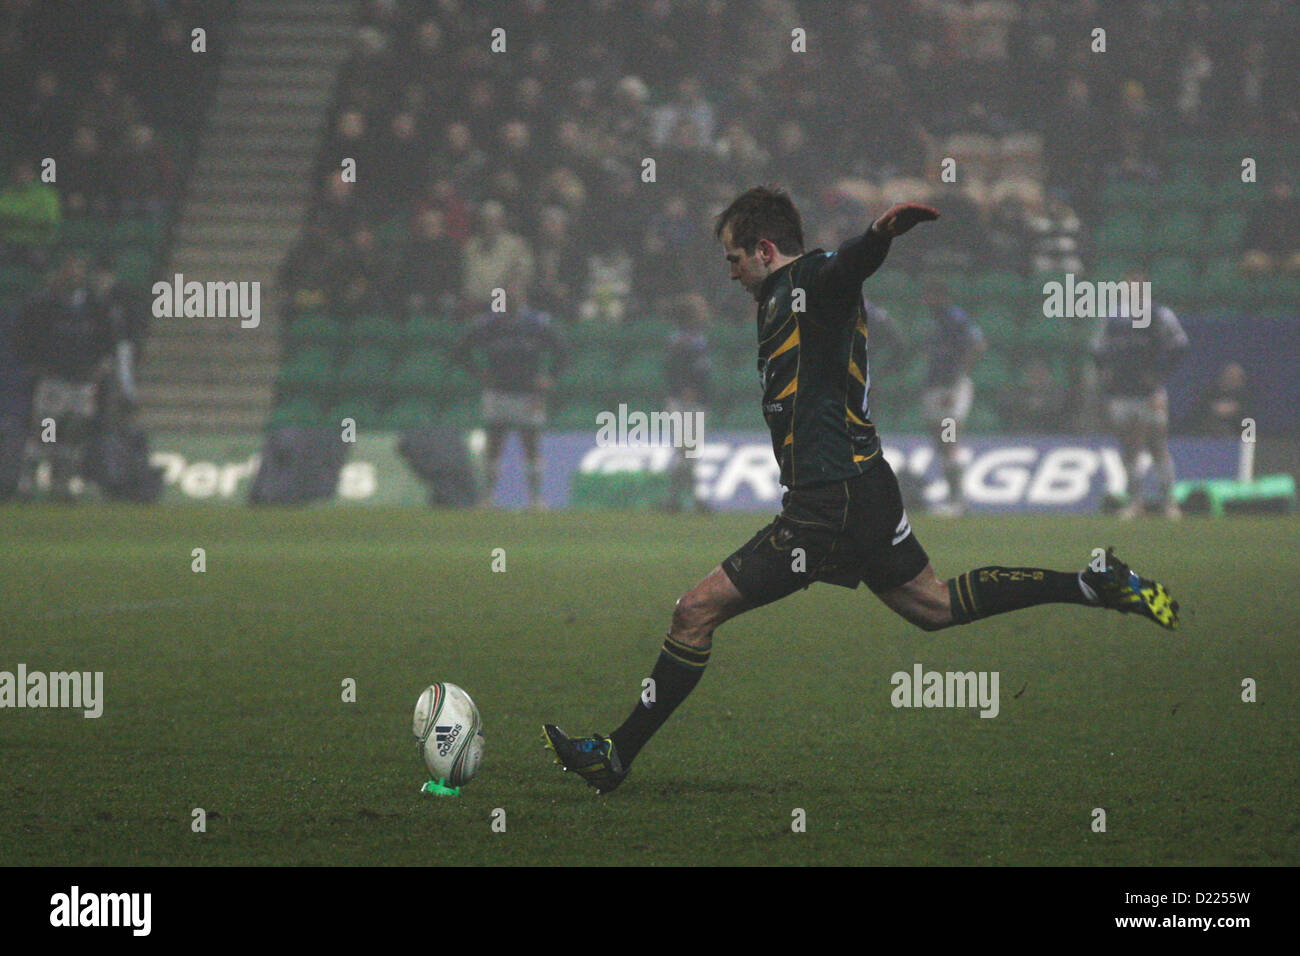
(859, 257)
(899, 218)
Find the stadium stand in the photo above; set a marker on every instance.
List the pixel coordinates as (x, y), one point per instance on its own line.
(1068, 181)
(1101, 171)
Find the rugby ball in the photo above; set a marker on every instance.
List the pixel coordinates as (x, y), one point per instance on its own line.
(449, 730)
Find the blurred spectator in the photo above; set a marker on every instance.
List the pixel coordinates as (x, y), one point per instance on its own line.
(959, 235)
(1194, 76)
(512, 165)
(740, 153)
(86, 175)
(1006, 239)
(1137, 132)
(30, 216)
(559, 266)
(356, 275)
(15, 409)
(481, 108)
(609, 285)
(459, 159)
(306, 274)
(338, 208)
(42, 118)
(428, 276)
(401, 166)
(64, 335)
(1054, 233)
(671, 253)
(1272, 236)
(688, 108)
(351, 139)
(1076, 138)
(1254, 89)
(493, 256)
(148, 174)
(107, 108)
(443, 196)
(128, 313)
(1222, 406)
(630, 116)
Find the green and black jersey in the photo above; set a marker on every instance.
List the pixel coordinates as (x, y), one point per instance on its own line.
(812, 361)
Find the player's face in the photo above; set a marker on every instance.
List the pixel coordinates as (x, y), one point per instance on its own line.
(748, 269)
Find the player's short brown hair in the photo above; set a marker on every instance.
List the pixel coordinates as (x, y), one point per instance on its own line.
(763, 212)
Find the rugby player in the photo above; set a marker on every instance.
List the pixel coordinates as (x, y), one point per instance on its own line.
(511, 349)
(956, 345)
(842, 520)
(1134, 362)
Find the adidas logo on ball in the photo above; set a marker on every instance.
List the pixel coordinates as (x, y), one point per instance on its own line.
(446, 737)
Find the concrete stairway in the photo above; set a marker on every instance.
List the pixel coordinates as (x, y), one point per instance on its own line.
(245, 205)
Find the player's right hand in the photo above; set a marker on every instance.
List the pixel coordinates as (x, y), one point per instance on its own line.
(899, 218)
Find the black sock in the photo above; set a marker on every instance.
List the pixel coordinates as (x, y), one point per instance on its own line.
(988, 591)
(675, 675)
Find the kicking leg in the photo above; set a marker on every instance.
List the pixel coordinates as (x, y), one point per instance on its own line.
(932, 604)
(604, 761)
(682, 659)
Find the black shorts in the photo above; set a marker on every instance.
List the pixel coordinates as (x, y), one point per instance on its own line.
(850, 531)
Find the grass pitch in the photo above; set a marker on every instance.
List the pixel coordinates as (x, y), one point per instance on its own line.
(223, 691)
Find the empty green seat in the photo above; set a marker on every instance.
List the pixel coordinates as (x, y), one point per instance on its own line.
(1227, 227)
(409, 413)
(310, 367)
(365, 367)
(314, 328)
(89, 233)
(643, 373)
(436, 329)
(1172, 278)
(1000, 286)
(142, 231)
(135, 266)
(296, 411)
(1121, 233)
(364, 411)
(379, 329)
(991, 372)
(588, 372)
(1176, 231)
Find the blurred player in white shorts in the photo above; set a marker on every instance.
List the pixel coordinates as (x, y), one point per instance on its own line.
(1133, 364)
(507, 351)
(956, 344)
